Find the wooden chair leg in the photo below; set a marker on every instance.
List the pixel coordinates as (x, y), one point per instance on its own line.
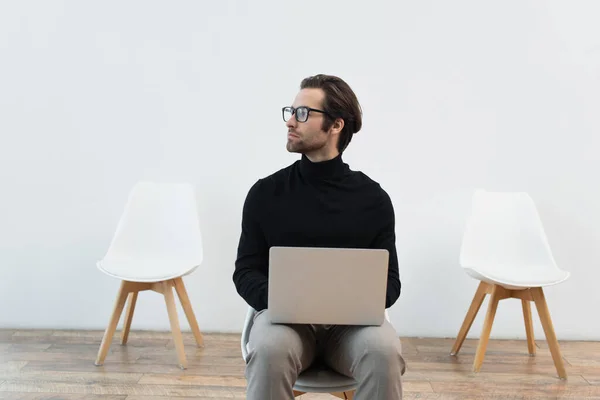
(112, 325)
(344, 395)
(487, 327)
(528, 327)
(544, 313)
(128, 317)
(189, 312)
(470, 317)
(175, 329)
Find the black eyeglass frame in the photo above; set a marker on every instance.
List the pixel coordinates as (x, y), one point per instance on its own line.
(293, 110)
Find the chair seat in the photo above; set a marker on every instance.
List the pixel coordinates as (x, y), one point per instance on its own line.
(147, 270)
(321, 379)
(522, 279)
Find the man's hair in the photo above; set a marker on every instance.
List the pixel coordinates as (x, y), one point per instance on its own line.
(339, 102)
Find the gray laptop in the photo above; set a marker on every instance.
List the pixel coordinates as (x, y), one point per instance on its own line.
(330, 286)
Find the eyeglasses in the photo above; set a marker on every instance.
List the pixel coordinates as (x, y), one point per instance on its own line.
(301, 113)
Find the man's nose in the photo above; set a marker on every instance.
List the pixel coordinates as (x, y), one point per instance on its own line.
(291, 123)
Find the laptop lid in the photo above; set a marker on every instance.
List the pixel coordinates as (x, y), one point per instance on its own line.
(332, 286)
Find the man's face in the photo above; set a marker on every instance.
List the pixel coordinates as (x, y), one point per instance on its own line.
(307, 137)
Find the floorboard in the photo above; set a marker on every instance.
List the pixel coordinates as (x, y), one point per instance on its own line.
(36, 365)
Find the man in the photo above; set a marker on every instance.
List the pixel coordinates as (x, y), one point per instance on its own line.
(317, 202)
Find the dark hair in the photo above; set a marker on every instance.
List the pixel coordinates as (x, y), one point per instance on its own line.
(340, 102)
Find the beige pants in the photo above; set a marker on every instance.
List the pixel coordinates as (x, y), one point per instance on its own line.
(279, 353)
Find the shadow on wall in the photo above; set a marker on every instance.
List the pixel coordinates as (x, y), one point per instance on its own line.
(429, 233)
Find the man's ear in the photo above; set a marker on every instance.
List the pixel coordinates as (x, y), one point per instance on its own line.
(337, 126)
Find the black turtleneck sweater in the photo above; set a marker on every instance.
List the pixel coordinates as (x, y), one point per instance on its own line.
(323, 204)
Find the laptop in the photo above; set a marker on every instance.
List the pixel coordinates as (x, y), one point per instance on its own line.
(330, 286)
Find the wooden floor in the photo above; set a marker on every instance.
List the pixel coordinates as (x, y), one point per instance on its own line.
(60, 365)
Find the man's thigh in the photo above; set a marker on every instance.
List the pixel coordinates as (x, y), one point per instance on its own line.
(277, 341)
(345, 346)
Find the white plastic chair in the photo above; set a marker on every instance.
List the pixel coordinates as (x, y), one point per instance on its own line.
(505, 247)
(156, 243)
(316, 379)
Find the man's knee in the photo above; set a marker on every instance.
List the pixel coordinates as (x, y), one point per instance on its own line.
(384, 354)
(273, 349)
(274, 346)
(389, 357)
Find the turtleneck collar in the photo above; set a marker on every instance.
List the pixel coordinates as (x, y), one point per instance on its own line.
(322, 169)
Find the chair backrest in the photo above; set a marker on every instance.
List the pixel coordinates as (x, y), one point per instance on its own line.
(160, 221)
(504, 230)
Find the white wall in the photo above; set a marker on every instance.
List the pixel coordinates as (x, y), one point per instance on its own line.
(456, 95)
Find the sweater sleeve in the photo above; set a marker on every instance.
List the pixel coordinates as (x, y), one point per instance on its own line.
(386, 239)
(251, 265)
